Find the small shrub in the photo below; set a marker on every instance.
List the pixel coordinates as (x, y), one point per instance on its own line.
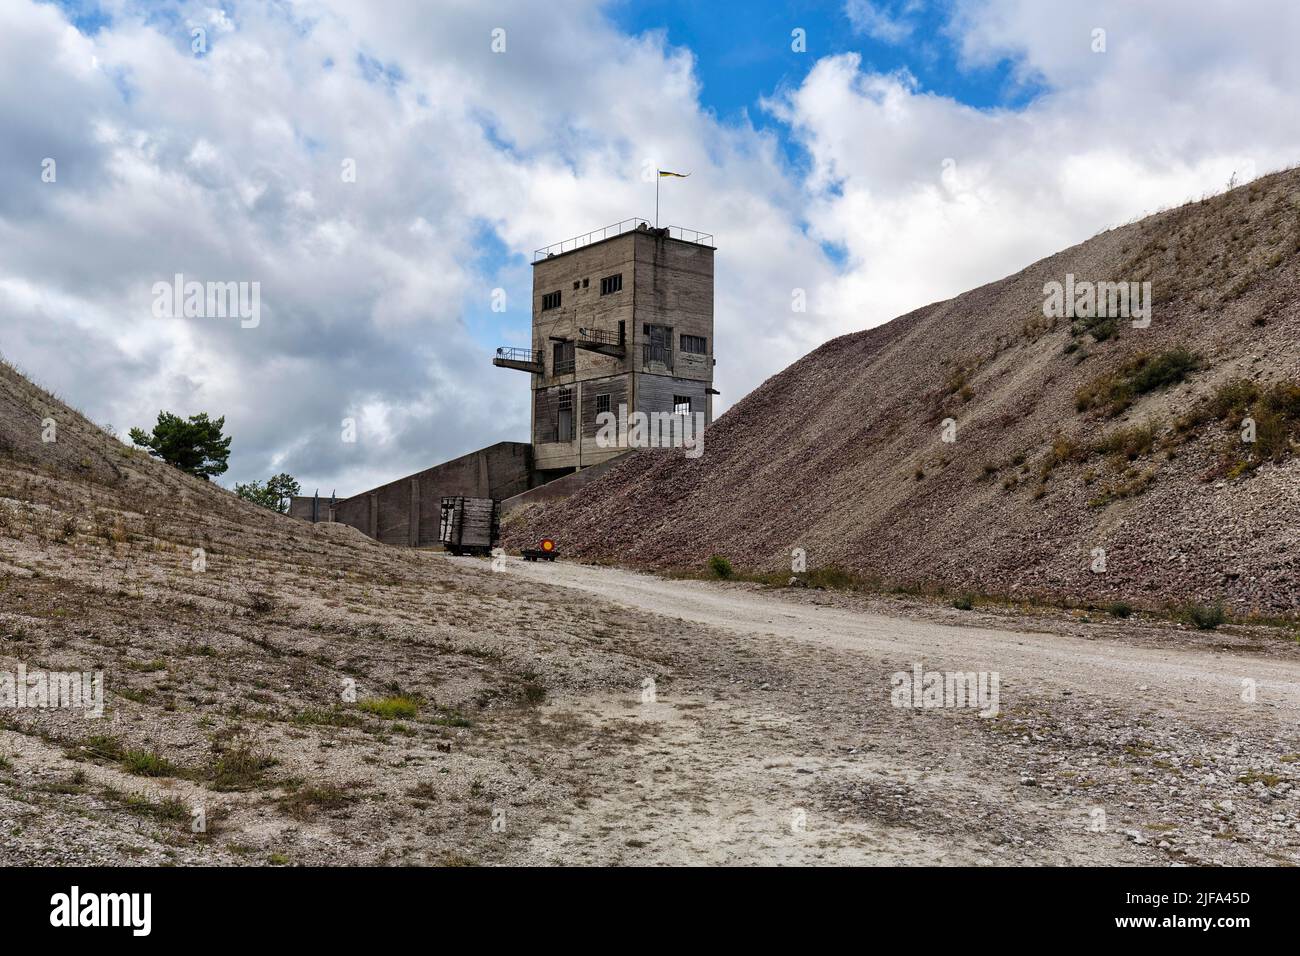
(1115, 391)
(1132, 442)
(720, 566)
(1104, 329)
(1119, 609)
(1063, 449)
(1276, 413)
(964, 603)
(1167, 368)
(956, 383)
(1207, 618)
(1231, 399)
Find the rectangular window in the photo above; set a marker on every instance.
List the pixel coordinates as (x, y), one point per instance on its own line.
(602, 403)
(660, 336)
(564, 415)
(562, 358)
(550, 300)
(695, 344)
(611, 284)
(658, 347)
(681, 404)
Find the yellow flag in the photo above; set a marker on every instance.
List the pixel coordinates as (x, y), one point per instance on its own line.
(664, 172)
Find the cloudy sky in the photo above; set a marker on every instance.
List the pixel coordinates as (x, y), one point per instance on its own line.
(877, 155)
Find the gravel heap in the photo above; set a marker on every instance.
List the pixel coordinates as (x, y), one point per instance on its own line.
(842, 454)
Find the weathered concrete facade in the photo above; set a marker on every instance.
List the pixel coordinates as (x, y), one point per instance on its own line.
(625, 320)
(406, 511)
(621, 319)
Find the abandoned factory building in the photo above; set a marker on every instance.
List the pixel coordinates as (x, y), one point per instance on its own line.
(622, 321)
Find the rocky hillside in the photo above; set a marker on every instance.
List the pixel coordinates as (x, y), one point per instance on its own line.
(308, 694)
(1071, 435)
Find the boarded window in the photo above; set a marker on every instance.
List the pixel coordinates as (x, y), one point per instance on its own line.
(611, 284)
(562, 358)
(681, 404)
(564, 415)
(544, 415)
(658, 347)
(695, 344)
(550, 300)
(660, 336)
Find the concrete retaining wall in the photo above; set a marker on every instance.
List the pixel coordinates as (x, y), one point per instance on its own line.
(560, 487)
(406, 512)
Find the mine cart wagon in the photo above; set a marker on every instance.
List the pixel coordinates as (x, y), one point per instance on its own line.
(469, 525)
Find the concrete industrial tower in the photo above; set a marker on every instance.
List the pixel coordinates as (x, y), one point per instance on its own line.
(621, 316)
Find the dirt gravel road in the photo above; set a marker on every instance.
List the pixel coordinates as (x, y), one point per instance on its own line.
(1132, 742)
(1203, 681)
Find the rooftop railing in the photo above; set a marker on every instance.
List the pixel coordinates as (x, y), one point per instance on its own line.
(617, 229)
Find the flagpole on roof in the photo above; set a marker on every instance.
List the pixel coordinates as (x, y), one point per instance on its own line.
(660, 174)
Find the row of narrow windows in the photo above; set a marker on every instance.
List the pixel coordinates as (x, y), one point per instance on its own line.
(608, 286)
(563, 421)
(658, 338)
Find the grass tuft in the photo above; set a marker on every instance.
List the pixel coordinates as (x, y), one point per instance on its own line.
(391, 708)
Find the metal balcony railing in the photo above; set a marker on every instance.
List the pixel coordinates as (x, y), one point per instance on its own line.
(599, 337)
(530, 356)
(617, 229)
(564, 366)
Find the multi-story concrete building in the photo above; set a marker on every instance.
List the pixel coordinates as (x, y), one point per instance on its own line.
(622, 316)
